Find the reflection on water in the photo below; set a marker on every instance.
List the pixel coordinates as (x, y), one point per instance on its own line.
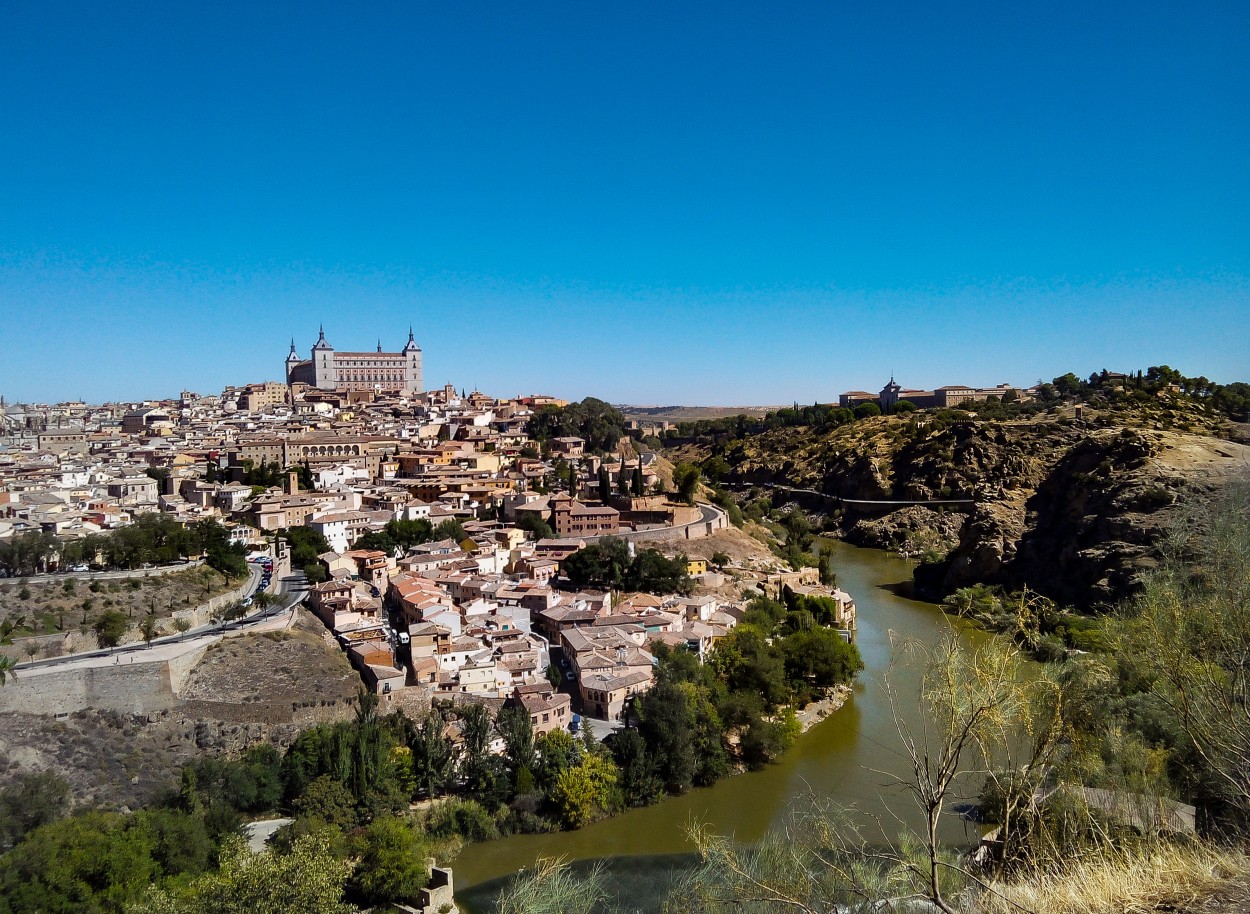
(849, 758)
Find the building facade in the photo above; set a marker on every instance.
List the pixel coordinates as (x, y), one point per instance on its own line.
(377, 371)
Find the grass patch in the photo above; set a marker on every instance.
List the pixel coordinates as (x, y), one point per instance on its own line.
(1158, 877)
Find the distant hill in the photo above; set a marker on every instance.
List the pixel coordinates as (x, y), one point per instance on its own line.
(691, 413)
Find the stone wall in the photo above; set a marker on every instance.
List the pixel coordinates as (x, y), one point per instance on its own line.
(697, 529)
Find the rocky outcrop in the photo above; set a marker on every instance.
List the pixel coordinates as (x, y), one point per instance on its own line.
(1074, 510)
(914, 531)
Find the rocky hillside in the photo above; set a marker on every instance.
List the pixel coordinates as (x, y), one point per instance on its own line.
(251, 689)
(1073, 509)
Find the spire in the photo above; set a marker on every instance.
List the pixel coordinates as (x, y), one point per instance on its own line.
(379, 344)
(294, 354)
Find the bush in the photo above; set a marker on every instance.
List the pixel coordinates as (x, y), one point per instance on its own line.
(465, 819)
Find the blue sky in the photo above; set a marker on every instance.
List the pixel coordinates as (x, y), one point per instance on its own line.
(651, 203)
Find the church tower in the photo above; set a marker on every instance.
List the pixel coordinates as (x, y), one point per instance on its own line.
(412, 364)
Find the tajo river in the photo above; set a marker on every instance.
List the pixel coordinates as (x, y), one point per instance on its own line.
(841, 758)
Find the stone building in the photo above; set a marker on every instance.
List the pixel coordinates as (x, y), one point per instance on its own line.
(346, 371)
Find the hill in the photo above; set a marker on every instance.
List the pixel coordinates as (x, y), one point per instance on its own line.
(1072, 508)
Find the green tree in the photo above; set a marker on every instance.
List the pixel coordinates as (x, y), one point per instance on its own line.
(110, 627)
(819, 658)
(866, 410)
(640, 786)
(29, 801)
(308, 880)
(584, 792)
(392, 864)
(433, 756)
(96, 862)
(686, 478)
(534, 525)
(513, 724)
(326, 800)
(148, 628)
(666, 726)
(557, 751)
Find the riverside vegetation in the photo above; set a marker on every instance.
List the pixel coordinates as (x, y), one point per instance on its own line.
(1158, 711)
(355, 840)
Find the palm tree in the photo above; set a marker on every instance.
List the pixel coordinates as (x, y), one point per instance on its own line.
(8, 667)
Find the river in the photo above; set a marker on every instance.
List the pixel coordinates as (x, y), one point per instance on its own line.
(847, 758)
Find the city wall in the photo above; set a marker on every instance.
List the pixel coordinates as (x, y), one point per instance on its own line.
(127, 685)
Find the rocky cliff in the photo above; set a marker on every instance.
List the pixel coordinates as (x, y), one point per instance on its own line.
(1073, 509)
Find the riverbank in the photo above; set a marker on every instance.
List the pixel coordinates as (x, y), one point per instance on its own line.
(839, 758)
(816, 711)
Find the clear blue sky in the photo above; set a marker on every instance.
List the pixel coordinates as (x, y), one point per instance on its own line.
(651, 203)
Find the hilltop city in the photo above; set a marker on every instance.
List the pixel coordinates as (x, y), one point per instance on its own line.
(435, 533)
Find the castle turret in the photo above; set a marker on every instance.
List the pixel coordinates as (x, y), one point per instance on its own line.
(292, 359)
(412, 364)
(323, 363)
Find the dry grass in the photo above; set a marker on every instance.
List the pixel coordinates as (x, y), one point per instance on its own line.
(1165, 877)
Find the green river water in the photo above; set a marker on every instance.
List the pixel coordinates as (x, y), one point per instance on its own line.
(846, 758)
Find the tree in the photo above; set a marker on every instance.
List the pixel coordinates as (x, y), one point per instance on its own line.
(557, 751)
(110, 627)
(653, 572)
(686, 479)
(866, 410)
(8, 668)
(392, 865)
(31, 800)
(820, 658)
(666, 726)
(534, 525)
(584, 792)
(639, 784)
(326, 800)
(148, 628)
(1190, 633)
(95, 861)
(978, 705)
(513, 724)
(308, 880)
(433, 756)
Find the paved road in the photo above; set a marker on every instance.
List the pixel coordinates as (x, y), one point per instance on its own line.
(260, 832)
(59, 576)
